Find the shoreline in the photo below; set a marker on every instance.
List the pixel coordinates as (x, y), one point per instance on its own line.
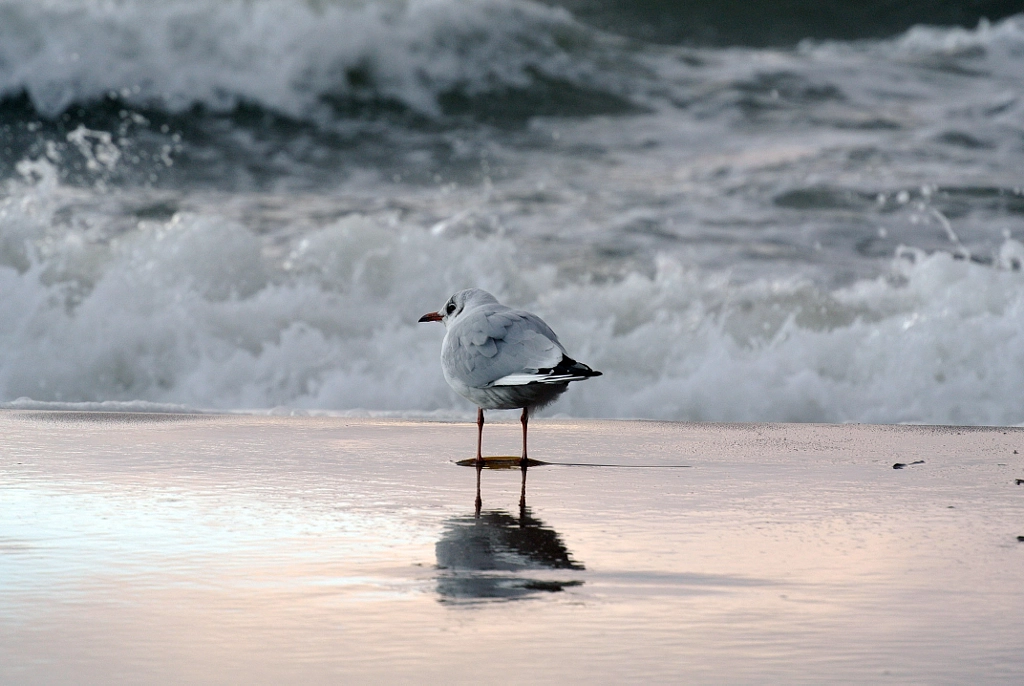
(434, 416)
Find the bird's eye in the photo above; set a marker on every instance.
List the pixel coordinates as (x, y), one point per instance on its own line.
(450, 308)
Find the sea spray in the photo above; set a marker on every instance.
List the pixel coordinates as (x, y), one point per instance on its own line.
(205, 314)
(228, 205)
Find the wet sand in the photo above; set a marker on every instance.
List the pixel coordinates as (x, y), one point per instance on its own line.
(167, 549)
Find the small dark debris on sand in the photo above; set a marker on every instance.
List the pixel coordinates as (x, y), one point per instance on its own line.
(1020, 539)
(901, 465)
(1020, 482)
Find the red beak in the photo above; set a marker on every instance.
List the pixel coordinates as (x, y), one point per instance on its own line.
(431, 317)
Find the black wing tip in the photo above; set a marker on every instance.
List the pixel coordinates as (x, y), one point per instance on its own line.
(569, 366)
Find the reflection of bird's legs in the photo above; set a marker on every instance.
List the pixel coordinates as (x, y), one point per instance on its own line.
(522, 497)
(479, 500)
(524, 419)
(479, 435)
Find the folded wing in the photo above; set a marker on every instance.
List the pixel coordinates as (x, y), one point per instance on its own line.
(499, 343)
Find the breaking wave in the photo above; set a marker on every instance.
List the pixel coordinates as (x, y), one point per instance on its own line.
(205, 313)
(293, 58)
(230, 204)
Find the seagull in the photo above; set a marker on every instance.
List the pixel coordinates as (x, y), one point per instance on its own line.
(502, 359)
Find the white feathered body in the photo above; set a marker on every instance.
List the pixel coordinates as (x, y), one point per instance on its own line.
(503, 359)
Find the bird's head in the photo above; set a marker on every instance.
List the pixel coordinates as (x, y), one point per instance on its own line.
(459, 303)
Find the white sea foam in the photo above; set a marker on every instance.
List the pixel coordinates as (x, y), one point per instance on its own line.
(769, 164)
(196, 311)
(289, 56)
(282, 54)
(137, 406)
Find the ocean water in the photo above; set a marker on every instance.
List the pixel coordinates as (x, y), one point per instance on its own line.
(218, 204)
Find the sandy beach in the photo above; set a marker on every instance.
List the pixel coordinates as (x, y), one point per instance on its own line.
(226, 549)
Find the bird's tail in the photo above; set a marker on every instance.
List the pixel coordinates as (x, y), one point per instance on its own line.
(565, 371)
(571, 367)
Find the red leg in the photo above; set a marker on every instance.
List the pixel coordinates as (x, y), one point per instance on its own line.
(525, 418)
(479, 434)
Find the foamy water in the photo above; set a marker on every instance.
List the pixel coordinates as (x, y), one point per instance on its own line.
(224, 205)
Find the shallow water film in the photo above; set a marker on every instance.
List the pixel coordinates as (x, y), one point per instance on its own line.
(165, 549)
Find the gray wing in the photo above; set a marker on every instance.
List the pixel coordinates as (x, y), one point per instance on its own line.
(493, 343)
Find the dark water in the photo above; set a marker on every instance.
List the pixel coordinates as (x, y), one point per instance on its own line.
(735, 22)
(811, 213)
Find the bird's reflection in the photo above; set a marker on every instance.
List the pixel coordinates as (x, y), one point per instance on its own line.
(490, 554)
